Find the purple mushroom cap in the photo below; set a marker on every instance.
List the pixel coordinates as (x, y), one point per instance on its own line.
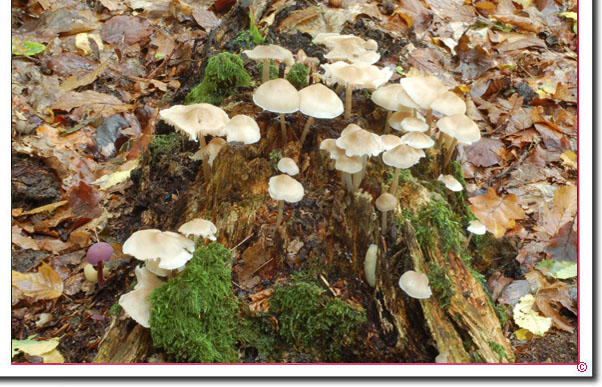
(100, 251)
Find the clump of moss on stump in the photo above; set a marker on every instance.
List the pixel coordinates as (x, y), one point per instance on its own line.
(298, 75)
(224, 75)
(195, 316)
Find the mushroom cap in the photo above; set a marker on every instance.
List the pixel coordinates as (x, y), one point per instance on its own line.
(386, 202)
(99, 251)
(197, 119)
(423, 90)
(332, 39)
(451, 183)
(357, 75)
(397, 118)
(350, 48)
(360, 142)
(136, 303)
(242, 128)
(402, 156)
(370, 264)
(271, 51)
(199, 227)
(417, 140)
(414, 124)
(386, 96)
(449, 104)
(284, 187)
(390, 141)
(404, 99)
(173, 249)
(349, 164)
(319, 101)
(288, 166)
(461, 127)
(416, 285)
(152, 265)
(349, 129)
(213, 147)
(476, 227)
(277, 96)
(330, 145)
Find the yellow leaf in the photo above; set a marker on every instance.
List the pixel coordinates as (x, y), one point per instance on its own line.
(569, 15)
(569, 159)
(34, 347)
(47, 207)
(53, 356)
(107, 181)
(43, 285)
(526, 317)
(523, 334)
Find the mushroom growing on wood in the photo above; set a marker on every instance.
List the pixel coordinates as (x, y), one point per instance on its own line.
(359, 142)
(266, 53)
(284, 188)
(402, 156)
(318, 101)
(423, 91)
(450, 183)
(242, 128)
(385, 202)
(136, 303)
(349, 48)
(461, 129)
(370, 264)
(348, 166)
(386, 97)
(278, 96)
(173, 249)
(416, 285)
(199, 227)
(475, 227)
(288, 166)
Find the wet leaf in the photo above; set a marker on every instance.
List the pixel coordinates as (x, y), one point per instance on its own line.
(557, 269)
(526, 317)
(484, 153)
(43, 285)
(26, 47)
(498, 214)
(563, 246)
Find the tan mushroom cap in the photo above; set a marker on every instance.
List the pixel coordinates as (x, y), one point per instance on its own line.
(449, 104)
(136, 303)
(152, 265)
(460, 127)
(423, 90)
(404, 99)
(277, 96)
(349, 129)
(173, 249)
(386, 202)
(349, 164)
(476, 227)
(414, 124)
(199, 227)
(356, 76)
(386, 96)
(284, 187)
(242, 128)
(332, 39)
(330, 145)
(351, 48)
(417, 140)
(360, 142)
(319, 101)
(390, 141)
(397, 118)
(403, 156)
(451, 183)
(288, 166)
(213, 147)
(271, 51)
(416, 285)
(196, 120)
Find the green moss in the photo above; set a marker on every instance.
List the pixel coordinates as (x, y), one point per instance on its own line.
(440, 285)
(298, 75)
(497, 348)
(195, 316)
(224, 75)
(437, 224)
(115, 310)
(164, 146)
(273, 69)
(312, 322)
(251, 37)
(275, 156)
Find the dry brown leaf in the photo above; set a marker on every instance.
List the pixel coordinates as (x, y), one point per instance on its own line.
(298, 17)
(74, 82)
(484, 153)
(92, 99)
(260, 301)
(551, 299)
(496, 213)
(47, 207)
(124, 31)
(569, 158)
(563, 246)
(206, 19)
(563, 209)
(22, 241)
(43, 285)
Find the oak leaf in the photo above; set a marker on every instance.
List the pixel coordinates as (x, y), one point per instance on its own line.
(46, 284)
(497, 213)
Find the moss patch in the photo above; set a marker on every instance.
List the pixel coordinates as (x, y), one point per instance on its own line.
(298, 75)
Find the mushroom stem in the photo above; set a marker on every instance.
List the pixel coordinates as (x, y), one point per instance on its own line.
(440, 140)
(205, 158)
(348, 95)
(468, 241)
(357, 181)
(309, 122)
(283, 128)
(363, 171)
(387, 126)
(265, 71)
(279, 217)
(346, 181)
(395, 180)
(450, 152)
(99, 269)
(384, 222)
(339, 88)
(429, 120)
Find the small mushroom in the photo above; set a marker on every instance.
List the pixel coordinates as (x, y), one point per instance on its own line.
(173, 249)
(284, 188)
(386, 97)
(385, 202)
(348, 166)
(461, 129)
(288, 166)
(136, 303)
(278, 96)
(318, 101)
(475, 227)
(423, 91)
(417, 140)
(266, 53)
(242, 128)
(96, 255)
(198, 227)
(390, 141)
(370, 264)
(359, 142)
(451, 183)
(416, 285)
(402, 156)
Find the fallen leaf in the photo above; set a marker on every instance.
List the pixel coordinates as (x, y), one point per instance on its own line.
(550, 300)
(473, 61)
(563, 209)
(74, 82)
(43, 285)
(514, 291)
(107, 181)
(557, 269)
(26, 47)
(523, 334)
(206, 19)
(260, 301)
(497, 282)
(484, 153)
(526, 317)
(48, 207)
(34, 347)
(569, 158)
(124, 31)
(496, 213)
(92, 99)
(563, 246)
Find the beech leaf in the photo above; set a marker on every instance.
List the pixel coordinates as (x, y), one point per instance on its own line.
(483, 153)
(526, 317)
(564, 208)
(497, 213)
(43, 285)
(563, 246)
(557, 269)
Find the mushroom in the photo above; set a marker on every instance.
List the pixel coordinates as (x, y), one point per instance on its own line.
(348, 166)
(278, 96)
(318, 101)
(96, 255)
(266, 53)
(197, 120)
(398, 117)
(173, 249)
(284, 188)
(451, 183)
(288, 166)
(475, 227)
(370, 264)
(386, 97)
(402, 156)
(330, 145)
(92, 275)
(385, 202)
(242, 128)
(416, 285)
(198, 227)
(212, 149)
(461, 129)
(449, 104)
(390, 141)
(414, 124)
(359, 142)
(423, 91)
(417, 140)
(349, 48)
(136, 303)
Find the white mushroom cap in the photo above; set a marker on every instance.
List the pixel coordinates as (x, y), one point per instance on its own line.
(271, 51)
(397, 118)
(461, 127)
(152, 265)
(390, 141)
(197, 119)
(199, 227)
(451, 183)
(423, 90)
(288, 166)
(360, 143)
(277, 96)
(477, 227)
(414, 124)
(349, 129)
(350, 48)
(319, 101)
(332, 39)
(417, 140)
(386, 96)
(136, 303)
(386, 202)
(284, 187)
(330, 145)
(242, 128)
(357, 75)
(349, 164)
(403, 156)
(213, 147)
(404, 99)
(416, 285)
(173, 249)
(449, 104)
